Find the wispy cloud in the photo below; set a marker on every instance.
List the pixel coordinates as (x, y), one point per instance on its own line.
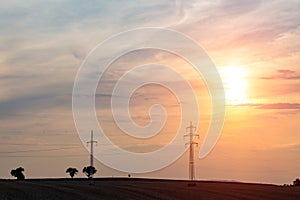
(43, 45)
(284, 74)
(44, 42)
(231, 33)
(274, 106)
(47, 97)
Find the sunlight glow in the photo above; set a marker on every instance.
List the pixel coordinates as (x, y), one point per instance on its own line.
(235, 84)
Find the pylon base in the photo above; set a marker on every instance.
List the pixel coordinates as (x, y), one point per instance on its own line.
(193, 184)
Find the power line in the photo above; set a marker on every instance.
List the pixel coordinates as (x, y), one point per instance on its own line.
(39, 144)
(42, 133)
(40, 156)
(38, 150)
(53, 144)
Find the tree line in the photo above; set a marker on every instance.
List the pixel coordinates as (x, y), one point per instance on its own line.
(89, 171)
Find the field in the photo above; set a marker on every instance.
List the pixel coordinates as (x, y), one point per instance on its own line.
(127, 188)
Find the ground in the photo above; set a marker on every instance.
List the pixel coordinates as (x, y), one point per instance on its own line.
(129, 188)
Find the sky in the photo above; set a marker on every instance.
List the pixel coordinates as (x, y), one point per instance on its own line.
(253, 44)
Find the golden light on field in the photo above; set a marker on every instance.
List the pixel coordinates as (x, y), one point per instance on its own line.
(235, 84)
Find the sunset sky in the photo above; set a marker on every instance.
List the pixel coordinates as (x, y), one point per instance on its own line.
(255, 46)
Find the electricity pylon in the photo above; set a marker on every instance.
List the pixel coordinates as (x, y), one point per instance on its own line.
(91, 142)
(191, 144)
(92, 149)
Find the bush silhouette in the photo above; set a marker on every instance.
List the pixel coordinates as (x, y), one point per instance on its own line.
(18, 173)
(89, 171)
(297, 182)
(72, 171)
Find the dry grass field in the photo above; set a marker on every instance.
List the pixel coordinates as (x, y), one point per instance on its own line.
(125, 188)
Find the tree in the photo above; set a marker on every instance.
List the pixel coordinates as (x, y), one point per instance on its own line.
(297, 182)
(72, 171)
(18, 173)
(89, 171)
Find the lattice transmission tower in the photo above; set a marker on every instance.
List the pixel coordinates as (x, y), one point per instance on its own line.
(190, 130)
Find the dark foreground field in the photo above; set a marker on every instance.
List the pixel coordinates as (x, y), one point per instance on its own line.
(117, 188)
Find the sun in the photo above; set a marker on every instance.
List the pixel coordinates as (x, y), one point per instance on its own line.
(235, 84)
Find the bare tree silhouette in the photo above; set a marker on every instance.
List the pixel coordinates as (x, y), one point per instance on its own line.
(89, 171)
(72, 171)
(18, 173)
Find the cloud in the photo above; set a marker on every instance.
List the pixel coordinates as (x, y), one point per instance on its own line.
(289, 147)
(274, 106)
(235, 7)
(284, 74)
(38, 99)
(43, 44)
(280, 106)
(232, 34)
(143, 148)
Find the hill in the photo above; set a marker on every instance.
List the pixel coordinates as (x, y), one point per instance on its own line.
(128, 188)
